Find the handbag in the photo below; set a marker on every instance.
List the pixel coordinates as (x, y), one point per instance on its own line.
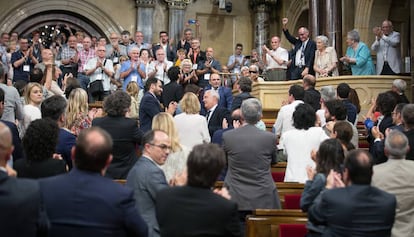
(96, 88)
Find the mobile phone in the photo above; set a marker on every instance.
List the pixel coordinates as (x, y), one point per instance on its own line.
(192, 21)
(247, 57)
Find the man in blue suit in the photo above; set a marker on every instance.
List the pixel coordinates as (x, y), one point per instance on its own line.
(225, 93)
(83, 202)
(146, 177)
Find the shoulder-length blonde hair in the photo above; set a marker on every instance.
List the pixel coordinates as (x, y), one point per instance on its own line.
(165, 122)
(132, 89)
(77, 106)
(190, 103)
(28, 89)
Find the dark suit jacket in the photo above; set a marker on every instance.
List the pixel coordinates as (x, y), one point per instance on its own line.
(170, 54)
(83, 203)
(238, 100)
(216, 120)
(200, 57)
(351, 111)
(172, 92)
(147, 179)
(20, 207)
(66, 141)
(126, 137)
(410, 136)
(18, 149)
(356, 210)
(309, 51)
(149, 107)
(313, 97)
(191, 211)
(226, 96)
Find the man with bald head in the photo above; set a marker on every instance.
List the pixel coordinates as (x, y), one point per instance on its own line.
(114, 50)
(276, 60)
(106, 208)
(303, 54)
(20, 203)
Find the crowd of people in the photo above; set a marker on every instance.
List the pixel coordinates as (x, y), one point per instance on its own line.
(170, 127)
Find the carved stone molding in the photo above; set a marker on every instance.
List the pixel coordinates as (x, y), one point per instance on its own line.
(178, 4)
(145, 3)
(256, 3)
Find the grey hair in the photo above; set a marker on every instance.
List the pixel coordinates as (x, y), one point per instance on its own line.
(324, 39)
(213, 93)
(396, 144)
(353, 35)
(328, 93)
(399, 84)
(251, 110)
(255, 67)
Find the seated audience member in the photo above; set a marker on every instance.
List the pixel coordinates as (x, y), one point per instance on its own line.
(214, 113)
(244, 87)
(254, 74)
(124, 132)
(299, 142)
(399, 86)
(342, 91)
(176, 161)
(146, 177)
(327, 93)
(54, 108)
(195, 209)
(343, 132)
(20, 200)
(353, 207)
(78, 116)
(39, 144)
(330, 156)
(191, 126)
(396, 176)
(106, 208)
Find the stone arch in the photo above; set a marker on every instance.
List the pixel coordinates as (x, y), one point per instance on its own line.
(295, 10)
(362, 18)
(19, 12)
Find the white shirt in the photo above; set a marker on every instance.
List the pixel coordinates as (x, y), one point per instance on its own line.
(280, 53)
(284, 121)
(161, 74)
(192, 129)
(98, 74)
(299, 61)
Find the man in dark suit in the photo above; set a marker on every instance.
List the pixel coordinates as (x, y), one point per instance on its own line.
(353, 207)
(173, 91)
(20, 199)
(245, 87)
(342, 91)
(214, 113)
(194, 209)
(165, 44)
(312, 96)
(82, 202)
(250, 152)
(150, 105)
(303, 54)
(225, 93)
(146, 177)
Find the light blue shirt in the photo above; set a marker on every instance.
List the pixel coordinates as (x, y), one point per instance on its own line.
(364, 64)
(134, 74)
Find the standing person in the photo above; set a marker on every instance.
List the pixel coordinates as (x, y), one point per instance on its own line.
(20, 199)
(33, 96)
(395, 176)
(326, 60)
(100, 70)
(185, 42)
(23, 61)
(225, 93)
(13, 106)
(85, 55)
(194, 53)
(164, 43)
(159, 67)
(114, 50)
(344, 206)
(139, 42)
(387, 46)
(248, 176)
(150, 105)
(214, 113)
(234, 63)
(133, 69)
(70, 57)
(303, 54)
(173, 91)
(358, 55)
(124, 131)
(106, 209)
(207, 67)
(275, 60)
(195, 209)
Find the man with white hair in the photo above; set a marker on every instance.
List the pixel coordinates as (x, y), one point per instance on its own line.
(395, 176)
(399, 86)
(159, 67)
(214, 113)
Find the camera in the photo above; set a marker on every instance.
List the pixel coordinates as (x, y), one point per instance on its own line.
(192, 21)
(229, 7)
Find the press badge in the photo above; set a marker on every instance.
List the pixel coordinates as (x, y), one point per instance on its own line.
(26, 68)
(194, 66)
(99, 77)
(134, 78)
(116, 60)
(207, 76)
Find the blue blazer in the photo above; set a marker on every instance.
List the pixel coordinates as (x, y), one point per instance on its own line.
(83, 203)
(309, 51)
(18, 149)
(147, 179)
(149, 107)
(226, 96)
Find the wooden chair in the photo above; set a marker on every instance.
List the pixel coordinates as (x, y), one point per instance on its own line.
(278, 176)
(292, 201)
(265, 222)
(120, 181)
(292, 230)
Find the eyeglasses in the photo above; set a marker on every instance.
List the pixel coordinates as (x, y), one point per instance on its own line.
(253, 71)
(101, 50)
(162, 146)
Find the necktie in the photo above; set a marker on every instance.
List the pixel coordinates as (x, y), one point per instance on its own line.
(208, 115)
(302, 54)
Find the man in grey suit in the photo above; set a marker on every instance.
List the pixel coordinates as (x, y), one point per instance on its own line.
(387, 46)
(146, 177)
(396, 176)
(250, 151)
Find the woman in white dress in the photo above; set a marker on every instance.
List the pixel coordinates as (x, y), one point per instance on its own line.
(191, 126)
(33, 97)
(326, 60)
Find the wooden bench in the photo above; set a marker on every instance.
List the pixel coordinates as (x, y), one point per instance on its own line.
(265, 222)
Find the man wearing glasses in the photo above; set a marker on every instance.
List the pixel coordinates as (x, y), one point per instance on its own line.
(146, 177)
(275, 60)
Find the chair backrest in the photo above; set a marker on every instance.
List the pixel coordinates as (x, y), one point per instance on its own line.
(278, 176)
(292, 230)
(292, 201)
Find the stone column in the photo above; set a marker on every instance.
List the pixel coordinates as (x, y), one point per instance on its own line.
(411, 97)
(176, 18)
(145, 13)
(314, 18)
(261, 22)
